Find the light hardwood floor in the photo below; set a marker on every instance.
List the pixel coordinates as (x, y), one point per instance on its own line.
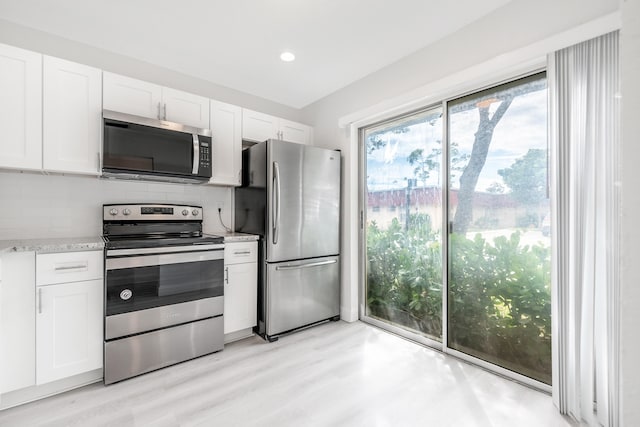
(335, 374)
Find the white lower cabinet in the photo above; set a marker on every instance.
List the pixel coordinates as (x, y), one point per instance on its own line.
(69, 314)
(241, 286)
(68, 329)
(17, 321)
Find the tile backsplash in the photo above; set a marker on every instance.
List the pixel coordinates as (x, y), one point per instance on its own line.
(34, 205)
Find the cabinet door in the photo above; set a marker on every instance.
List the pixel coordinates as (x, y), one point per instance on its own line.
(258, 127)
(240, 297)
(185, 108)
(226, 129)
(17, 321)
(72, 117)
(295, 132)
(68, 329)
(131, 96)
(20, 108)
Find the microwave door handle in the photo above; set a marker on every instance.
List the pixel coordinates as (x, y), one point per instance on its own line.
(275, 205)
(196, 155)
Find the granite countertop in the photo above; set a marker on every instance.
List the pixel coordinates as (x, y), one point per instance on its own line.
(239, 237)
(74, 244)
(61, 244)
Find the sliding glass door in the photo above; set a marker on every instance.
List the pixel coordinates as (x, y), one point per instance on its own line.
(492, 193)
(403, 198)
(499, 301)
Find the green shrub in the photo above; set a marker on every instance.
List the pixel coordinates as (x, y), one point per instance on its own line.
(405, 274)
(499, 293)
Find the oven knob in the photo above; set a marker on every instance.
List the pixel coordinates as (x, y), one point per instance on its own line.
(126, 294)
(195, 212)
(126, 211)
(185, 212)
(113, 211)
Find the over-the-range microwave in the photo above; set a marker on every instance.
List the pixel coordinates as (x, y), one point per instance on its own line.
(137, 147)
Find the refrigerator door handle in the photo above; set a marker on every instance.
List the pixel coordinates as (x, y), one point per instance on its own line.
(275, 203)
(311, 264)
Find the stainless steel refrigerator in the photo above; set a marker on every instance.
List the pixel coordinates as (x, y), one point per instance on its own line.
(290, 196)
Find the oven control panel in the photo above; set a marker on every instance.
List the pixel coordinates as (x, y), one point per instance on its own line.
(151, 212)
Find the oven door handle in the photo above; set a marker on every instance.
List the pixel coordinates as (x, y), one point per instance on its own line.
(162, 259)
(164, 249)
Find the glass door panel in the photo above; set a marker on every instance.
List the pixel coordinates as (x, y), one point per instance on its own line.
(403, 202)
(499, 305)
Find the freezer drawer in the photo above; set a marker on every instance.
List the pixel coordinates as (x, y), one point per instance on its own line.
(299, 293)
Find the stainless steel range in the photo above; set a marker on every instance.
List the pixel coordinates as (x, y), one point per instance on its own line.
(163, 288)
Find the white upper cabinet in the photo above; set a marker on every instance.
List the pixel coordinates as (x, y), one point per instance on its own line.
(20, 108)
(131, 96)
(295, 132)
(259, 127)
(72, 117)
(185, 108)
(226, 128)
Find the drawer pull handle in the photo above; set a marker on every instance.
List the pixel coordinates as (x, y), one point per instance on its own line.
(66, 268)
(226, 278)
(39, 300)
(242, 253)
(311, 264)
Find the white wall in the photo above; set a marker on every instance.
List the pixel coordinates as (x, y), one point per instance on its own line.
(42, 206)
(38, 41)
(630, 267)
(39, 206)
(519, 24)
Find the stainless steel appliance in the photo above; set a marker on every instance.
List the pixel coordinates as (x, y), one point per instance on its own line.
(163, 288)
(141, 148)
(290, 196)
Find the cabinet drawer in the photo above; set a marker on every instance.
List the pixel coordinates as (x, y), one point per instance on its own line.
(240, 252)
(68, 267)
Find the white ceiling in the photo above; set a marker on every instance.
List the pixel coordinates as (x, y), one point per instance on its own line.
(237, 43)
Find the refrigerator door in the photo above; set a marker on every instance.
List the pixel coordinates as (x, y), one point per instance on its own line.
(303, 201)
(300, 293)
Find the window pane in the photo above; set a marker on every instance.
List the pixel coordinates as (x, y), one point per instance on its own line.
(499, 306)
(404, 217)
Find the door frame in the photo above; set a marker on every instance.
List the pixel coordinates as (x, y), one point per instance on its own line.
(442, 345)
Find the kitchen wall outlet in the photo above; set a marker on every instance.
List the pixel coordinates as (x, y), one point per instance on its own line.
(220, 205)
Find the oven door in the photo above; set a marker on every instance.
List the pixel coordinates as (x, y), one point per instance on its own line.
(141, 280)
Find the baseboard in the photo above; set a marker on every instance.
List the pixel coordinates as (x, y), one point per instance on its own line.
(29, 394)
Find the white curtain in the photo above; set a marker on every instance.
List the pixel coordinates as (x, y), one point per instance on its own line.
(584, 135)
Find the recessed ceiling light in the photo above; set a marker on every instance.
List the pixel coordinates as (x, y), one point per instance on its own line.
(287, 56)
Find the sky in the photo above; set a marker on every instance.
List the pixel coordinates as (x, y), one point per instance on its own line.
(523, 127)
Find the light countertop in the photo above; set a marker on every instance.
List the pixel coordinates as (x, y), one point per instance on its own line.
(62, 244)
(72, 244)
(239, 237)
